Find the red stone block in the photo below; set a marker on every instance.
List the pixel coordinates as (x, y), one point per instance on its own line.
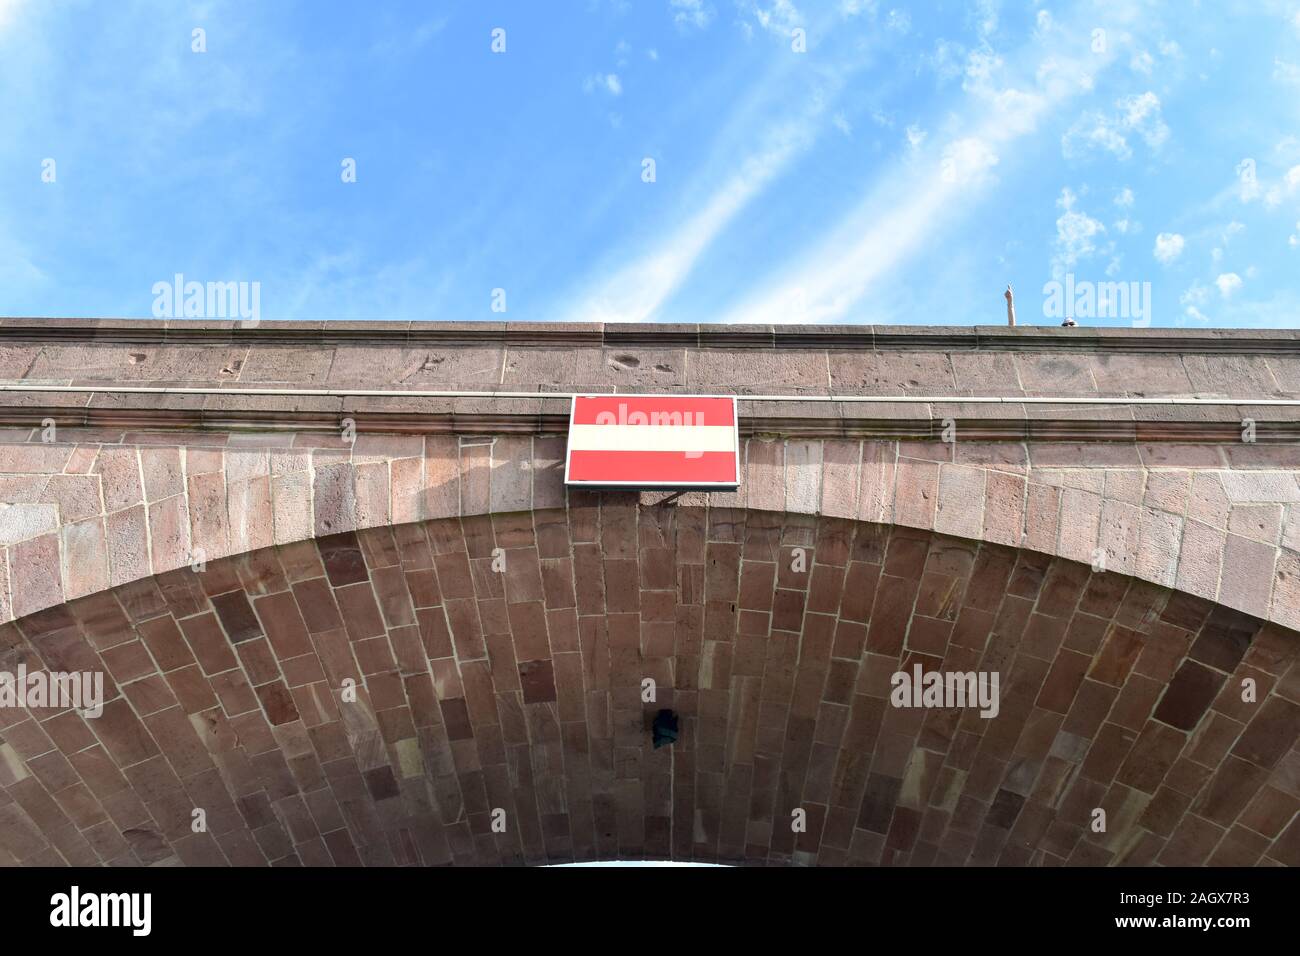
(360, 611)
(128, 662)
(1270, 734)
(234, 692)
(208, 643)
(163, 639)
(1118, 653)
(191, 689)
(278, 703)
(1188, 695)
(123, 735)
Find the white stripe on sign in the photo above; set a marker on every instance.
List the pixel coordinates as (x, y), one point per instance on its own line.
(653, 437)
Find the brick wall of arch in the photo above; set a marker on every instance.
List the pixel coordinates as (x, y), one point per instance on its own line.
(499, 662)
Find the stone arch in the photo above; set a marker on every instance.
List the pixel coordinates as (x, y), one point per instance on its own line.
(520, 689)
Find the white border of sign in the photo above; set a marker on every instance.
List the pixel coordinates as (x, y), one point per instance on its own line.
(661, 485)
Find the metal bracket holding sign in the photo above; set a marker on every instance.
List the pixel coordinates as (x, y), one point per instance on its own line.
(682, 442)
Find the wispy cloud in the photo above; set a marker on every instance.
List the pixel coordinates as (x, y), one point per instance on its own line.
(691, 13)
(903, 209)
(1138, 115)
(775, 16)
(9, 11)
(608, 82)
(636, 291)
(1077, 234)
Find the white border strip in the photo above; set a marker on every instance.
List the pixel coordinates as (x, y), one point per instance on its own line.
(683, 438)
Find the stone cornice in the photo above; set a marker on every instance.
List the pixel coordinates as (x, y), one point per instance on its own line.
(467, 417)
(563, 335)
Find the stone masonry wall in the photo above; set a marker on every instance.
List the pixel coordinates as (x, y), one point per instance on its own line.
(96, 509)
(866, 360)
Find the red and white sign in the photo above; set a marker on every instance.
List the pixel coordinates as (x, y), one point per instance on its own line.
(653, 441)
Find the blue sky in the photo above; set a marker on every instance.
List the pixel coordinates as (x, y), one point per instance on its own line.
(903, 167)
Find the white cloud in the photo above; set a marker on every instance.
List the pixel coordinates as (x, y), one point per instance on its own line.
(1294, 239)
(1288, 73)
(1137, 114)
(1192, 299)
(691, 13)
(1066, 74)
(852, 8)
(1094, 131)
(948, 59)
(1142, 62)
(1076, 233)
(778, 17)
(1252, 186)
(609, 82)
(1228, 283)
(980, 67)
(842, 124)
(987, 13)
(1169, 246)
(1017, 109)
(967, 161)
(915, 137)
(1274, 195)
(1124, 198)
(1142, 114)
(1195, 294)
(1232, 230)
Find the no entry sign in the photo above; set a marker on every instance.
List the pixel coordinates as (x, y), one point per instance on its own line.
(653, 441)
